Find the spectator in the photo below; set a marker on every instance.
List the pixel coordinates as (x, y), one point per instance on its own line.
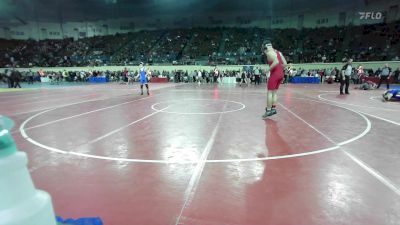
(30, 77)
(10, 81)
(16, 78)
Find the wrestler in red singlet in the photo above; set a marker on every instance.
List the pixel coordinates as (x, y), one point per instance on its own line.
(277, 73)
(276, 63)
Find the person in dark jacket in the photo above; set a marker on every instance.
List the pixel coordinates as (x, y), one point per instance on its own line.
(16, 78)
(396, 75)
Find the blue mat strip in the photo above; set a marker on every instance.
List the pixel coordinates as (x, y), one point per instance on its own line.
(80, 221)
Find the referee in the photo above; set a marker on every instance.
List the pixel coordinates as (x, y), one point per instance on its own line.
(345, 77)
(385, 76)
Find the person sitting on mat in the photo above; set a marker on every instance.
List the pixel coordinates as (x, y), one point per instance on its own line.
(392, 94)
(368, 85)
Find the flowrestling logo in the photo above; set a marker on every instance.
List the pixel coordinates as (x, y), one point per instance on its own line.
(370, 15)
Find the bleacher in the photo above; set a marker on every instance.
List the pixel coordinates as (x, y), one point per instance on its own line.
(213, 45)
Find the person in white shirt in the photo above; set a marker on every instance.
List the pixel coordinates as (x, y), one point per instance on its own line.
(64, 75)
(345, 77)
(257, 76)
(199, 76)
(9, 80)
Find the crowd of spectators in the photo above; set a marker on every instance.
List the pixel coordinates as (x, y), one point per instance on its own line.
(249, 75)
(375, 42)
(213, 45)
(321, 45)
(139, 48)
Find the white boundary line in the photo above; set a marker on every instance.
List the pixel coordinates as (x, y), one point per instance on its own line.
(375, 97)
(195, 178)
(24, 135)
(364, 106)
(123, 127)
(85, 113)
(50, 99)
(368, 128)
(374, 173)
(368, 114)
(74, 103)
(308, 124)
(92, 100)
(61, 106)
(201, 163)
(380, 118)
(312, 127)
(227, 91)
(369, 169)
(206, 113)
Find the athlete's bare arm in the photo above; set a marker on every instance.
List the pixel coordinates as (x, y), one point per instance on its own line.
(283, 60)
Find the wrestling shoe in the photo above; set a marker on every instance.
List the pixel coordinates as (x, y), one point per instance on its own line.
(269, 113)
